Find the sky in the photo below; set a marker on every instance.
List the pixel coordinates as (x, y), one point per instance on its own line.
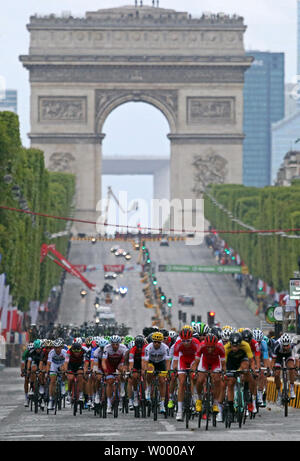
(271, 26)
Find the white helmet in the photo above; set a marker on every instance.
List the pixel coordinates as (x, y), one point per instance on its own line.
(285, 339)
(258, 335)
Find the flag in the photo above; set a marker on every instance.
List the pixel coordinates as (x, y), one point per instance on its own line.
(2, 288)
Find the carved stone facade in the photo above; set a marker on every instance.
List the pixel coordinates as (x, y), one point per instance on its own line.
(62, 109)
(191, 69)
(209, 168)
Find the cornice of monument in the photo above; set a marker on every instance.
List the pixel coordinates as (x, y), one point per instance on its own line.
(130, 16)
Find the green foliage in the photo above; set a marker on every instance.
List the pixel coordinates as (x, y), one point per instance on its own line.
(21, 235)
(271, 258)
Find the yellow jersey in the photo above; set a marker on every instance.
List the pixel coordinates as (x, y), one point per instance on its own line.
(244, 346)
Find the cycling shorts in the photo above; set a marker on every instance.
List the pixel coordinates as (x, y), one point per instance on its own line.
(209, 363)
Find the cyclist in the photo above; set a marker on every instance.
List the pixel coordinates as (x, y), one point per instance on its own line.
(247, 336)
(33, 364)
(156, 355)
(265, 362)
(24, 374)
(96, 364)
(185, 351)
(135, 366)
(211, 356)
(74, 363)
(113, 360)
(56, 359)
(238, 353)
(283, 349)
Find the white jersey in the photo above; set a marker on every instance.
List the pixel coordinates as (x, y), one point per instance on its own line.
(56, 360)
(156, 355)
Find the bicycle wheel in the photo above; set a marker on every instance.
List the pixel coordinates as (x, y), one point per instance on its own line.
(74, 399)
(187, 407)
(36, 397)
(155, 403)
(239, 404)
(285, 395)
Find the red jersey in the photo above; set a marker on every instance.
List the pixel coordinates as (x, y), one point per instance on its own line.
(189, 351)
(76, 359)
(255, 347)
(218, 351)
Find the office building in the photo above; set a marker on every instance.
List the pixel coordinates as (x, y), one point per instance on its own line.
(9, 100)
(264, 103)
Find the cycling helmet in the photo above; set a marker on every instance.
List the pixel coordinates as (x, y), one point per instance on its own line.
(139, 341)
(115, 339)
(211, 340)
(58, 343)
(235, 339)
(285, 339)
(37, 344)
(76, 347)
(226, 332)
(131, 344)
(173, 334)
(165, 332)
(240, 330)
(186, 332)
(157, 336)
(227, 327)
(48, 343)
(102, 342)
(30, 346)
(78, 341)
(247, 335)
(217, 331)
(88, 341)
(258, 335)
(128, 339)
(202, 329)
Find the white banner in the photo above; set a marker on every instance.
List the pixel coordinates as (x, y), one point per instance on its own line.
(2, 288)
(6, 299)
(34, 309)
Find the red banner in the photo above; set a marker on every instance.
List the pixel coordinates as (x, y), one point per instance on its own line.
(119, 268)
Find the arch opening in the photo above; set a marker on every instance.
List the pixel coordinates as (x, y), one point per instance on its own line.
(135, 159)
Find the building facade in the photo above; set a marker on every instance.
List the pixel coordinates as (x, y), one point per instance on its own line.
(9, 101)
(289, 170)
(285, 134)
(264, 103)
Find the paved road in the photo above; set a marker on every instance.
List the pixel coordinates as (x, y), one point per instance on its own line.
(19, 424)
(216, 292)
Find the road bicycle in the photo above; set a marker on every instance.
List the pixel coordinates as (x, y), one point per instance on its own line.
(285, 398)
(141, 408)
(101, 407)
(75, 402)
(208, 402)
(240, 398)
(155, 394)
(188, 409)
(35, 398)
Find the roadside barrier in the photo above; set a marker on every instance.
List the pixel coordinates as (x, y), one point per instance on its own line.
(272, 393)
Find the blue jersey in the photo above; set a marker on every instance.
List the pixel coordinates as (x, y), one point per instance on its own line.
(264, 351)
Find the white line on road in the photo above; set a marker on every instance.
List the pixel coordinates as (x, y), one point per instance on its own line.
(21, 436)
(169, 427)
(100, 434)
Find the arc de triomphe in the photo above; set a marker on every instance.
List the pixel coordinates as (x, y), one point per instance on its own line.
(192, 69)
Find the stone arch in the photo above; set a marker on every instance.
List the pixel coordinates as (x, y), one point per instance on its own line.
(108, 100)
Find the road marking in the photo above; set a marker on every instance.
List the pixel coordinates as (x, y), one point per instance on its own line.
(21, 436)
(100, 434)
(169, 427)
(187, 432)
(5, 411)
